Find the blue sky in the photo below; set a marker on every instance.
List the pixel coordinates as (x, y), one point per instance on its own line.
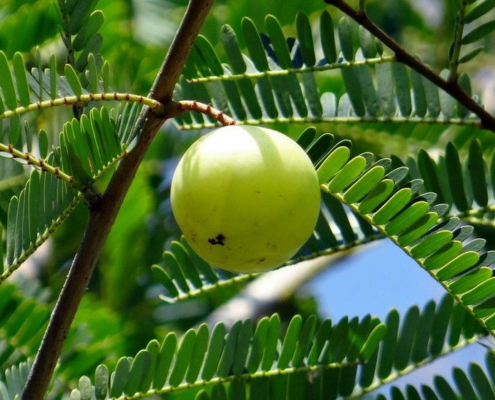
(373, 281)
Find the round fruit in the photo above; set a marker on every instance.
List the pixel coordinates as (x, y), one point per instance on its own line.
(246, 198)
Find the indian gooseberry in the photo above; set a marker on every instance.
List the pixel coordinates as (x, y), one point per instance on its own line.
(246, 198)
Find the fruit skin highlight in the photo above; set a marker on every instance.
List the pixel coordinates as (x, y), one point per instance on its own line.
(246, 198)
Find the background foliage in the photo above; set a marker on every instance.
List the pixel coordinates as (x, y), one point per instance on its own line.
(139, 305)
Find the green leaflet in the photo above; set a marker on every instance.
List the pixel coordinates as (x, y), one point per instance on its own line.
(93, 24)
(402, 341)
(7, 83)
(305, 38)
(276, 81)
(327, 37)
(479, 10)
(226, 355)
(90, 147)
(479, 32)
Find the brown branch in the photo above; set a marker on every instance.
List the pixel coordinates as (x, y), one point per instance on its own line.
(207, 109)
(104, 213)
(451, 87)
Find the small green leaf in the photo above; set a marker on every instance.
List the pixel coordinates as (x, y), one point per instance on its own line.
(92, 74)
(94, 23)
(21, 79)
(320, 148)
(183, 358)
(479, 293)
(333, 163)
(101, 382)
(370, 97)
(485, 309)
(319, 342)
(306, 137)
(79, 15)
(73, 80)
(431, 244)
(271, 343)
(470, 55)
(278, 41)
(476, 169)
(364, 184)
(402, 88)
(290, 341)
(418, 229)
(258, 56)
(185, 264)
(465, 84)
(120, 377)
(215, 348)
(455, 175)
(432, 96)
(367, 41)
(419, 96)
(105, 74)
(458, 265)
(164, 360)
(470, 280)
(393, 206)
(7, 83)
(85, 388)
(205, 269)
(385, 88)
(443, 256)
(161, 276)
(353, 89)
(345, 38)
(372, 342)
(257, 346)
(377, 196)
(305, 39)
(305, 338)
(406, 336)
(347, 174)
(407, 218)
(478, 11)
(481, 381)
(229, 41)
(53, 78)
(478, 33)
(139, 368)
(92, 47)
(328, 37)
(447, 102)
(254, 44)
(199, 352)
(242, 347)
(174, 271)
(15, 130)
(229, 350)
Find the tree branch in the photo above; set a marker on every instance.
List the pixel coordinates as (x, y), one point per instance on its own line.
(104, 213)
(451, 87)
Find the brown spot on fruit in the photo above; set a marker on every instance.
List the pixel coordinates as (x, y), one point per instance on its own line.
(218, 240)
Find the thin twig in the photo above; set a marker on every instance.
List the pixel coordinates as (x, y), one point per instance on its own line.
(292, 71)
(207, 109)
(85, 98)
(452, 88)
(104, 213)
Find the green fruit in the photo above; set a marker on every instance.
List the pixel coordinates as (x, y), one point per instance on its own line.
(246, 198)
